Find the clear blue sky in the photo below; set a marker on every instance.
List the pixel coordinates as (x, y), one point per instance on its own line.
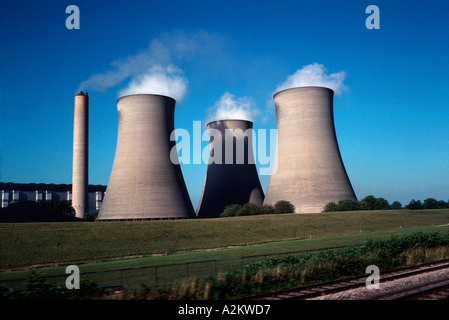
(392, 120)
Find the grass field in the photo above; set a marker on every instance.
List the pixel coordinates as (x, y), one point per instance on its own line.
(103, 250)
(176, 270)
(40, 244)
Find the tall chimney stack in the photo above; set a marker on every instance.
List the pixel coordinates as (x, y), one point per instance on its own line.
(80, 154)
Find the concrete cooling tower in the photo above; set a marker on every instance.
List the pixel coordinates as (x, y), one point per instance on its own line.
(144, 183)
(80, 154)
(310, 171)
(231, 176)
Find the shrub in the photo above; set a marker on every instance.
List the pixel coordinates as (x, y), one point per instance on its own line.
(331, 207)
(381, 204)
(283, 206)
(248, 209)
(251, 209)
(414, 205)
(267, 209)
(348, 205)
(370, 202)
(90, 216)
(313, 267)
(231, 210)
(396, 205)
(37, 287)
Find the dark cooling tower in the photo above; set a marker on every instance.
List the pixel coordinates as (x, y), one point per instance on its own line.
(144, 183)
(231, 176)
(310, 171)
(80, 154)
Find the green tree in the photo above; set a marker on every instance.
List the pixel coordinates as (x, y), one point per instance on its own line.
(283, 206)
(396, 205)
(230, 210)
(248, 209)
(431, 203)
(65, 208)
(370, 202)
(331, 207)
(266, 209)
(381, 204)
(442, 204)
(348, 205)
(414, 205)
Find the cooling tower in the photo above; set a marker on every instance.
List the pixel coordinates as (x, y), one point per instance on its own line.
(310, 171)
(80, 154)
(144, 183)
(231, 176)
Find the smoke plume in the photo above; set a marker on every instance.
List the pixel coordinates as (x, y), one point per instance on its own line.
(155, 69)
(229, 107)
(168, 81)
(315, 75)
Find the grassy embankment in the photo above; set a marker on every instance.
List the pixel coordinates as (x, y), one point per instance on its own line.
(117, 245)
(404, 248)
(30, 244)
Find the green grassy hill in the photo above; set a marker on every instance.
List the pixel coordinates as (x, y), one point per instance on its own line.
(28, 244)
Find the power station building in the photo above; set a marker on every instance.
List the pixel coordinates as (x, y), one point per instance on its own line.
(310, 171)
(144, 182)
(231, 176)
(38, 192)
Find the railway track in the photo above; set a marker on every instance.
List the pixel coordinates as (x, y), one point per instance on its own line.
(327, 289)
(439, 292)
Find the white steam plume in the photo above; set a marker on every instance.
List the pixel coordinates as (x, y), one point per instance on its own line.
(154, 69)
(131, 66)
(315, 75)
(168, 81)
(229, 107)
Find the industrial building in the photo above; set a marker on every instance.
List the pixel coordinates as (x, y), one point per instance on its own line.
(231, 176)
(310, 171)
(144, 182)
(21, 192)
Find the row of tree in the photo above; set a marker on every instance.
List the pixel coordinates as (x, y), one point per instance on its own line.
(33, 211)
(372, 203)
(251, 209)
(63, 207)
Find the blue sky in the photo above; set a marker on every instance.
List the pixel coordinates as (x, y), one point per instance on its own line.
(392, 118)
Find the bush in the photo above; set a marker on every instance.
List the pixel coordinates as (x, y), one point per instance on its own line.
(372, 203)
(283, 206)
(37, 287)
(248, 209)
(396, 205)
(62, 207)
(348, 205)
(331, 207)
(431, 203)
(267, 209)
(251, 209)
(278, 273)
(231, 210)
(414, 205)
(90, 216)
